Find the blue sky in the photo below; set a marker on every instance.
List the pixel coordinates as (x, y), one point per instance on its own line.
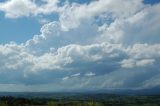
(53, 45)
(20, 30)
(151, 1)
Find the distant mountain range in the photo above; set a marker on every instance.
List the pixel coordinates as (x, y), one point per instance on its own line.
(152, 91)
(149, 91)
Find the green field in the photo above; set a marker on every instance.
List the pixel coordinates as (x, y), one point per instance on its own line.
(79, 100)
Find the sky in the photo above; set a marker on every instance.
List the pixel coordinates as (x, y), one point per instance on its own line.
(79, 45)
